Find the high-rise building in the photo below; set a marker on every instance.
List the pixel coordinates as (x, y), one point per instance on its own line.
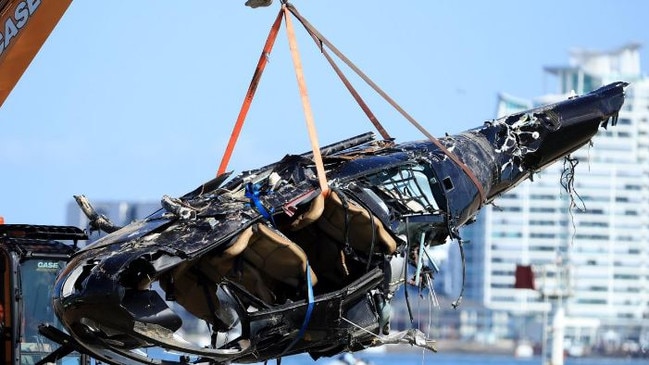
(583, 227)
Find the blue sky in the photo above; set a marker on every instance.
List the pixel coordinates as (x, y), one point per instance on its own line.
(134, 100)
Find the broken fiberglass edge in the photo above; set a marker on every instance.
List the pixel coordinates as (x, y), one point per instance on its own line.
(276, 268)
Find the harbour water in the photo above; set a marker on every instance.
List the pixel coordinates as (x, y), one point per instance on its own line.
(419, 358)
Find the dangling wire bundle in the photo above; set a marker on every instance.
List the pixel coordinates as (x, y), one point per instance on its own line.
(568, 184)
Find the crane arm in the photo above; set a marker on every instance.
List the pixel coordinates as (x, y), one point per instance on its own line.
(24, 27)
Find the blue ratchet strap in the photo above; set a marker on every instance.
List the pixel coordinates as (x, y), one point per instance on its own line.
(253, 193)
(309, 310)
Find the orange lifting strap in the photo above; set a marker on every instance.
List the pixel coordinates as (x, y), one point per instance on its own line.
(261, 64)
(263, 59)
(323, 41)
(320, 40)
(304, 96)
(310, 125)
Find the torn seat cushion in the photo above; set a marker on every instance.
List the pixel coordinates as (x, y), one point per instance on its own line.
(359, 223)
(190, 292)
(277, 257)
(258, 259)
(326, 259)
(316, 207)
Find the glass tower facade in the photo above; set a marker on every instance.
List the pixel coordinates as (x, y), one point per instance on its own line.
(583, 224)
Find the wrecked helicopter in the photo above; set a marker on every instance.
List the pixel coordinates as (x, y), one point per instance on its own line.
(276, 264)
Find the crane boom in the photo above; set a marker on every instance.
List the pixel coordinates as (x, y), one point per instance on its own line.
(24, 27)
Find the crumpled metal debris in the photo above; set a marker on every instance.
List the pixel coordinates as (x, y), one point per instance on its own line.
(412, 337)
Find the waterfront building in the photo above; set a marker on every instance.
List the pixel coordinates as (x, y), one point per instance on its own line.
(582, 226)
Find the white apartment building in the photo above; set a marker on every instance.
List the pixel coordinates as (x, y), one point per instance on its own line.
(602, 242)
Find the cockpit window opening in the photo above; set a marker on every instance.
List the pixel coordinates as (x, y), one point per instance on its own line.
(409, 186)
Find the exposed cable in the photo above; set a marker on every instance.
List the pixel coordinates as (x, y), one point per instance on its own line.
(568, 185)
